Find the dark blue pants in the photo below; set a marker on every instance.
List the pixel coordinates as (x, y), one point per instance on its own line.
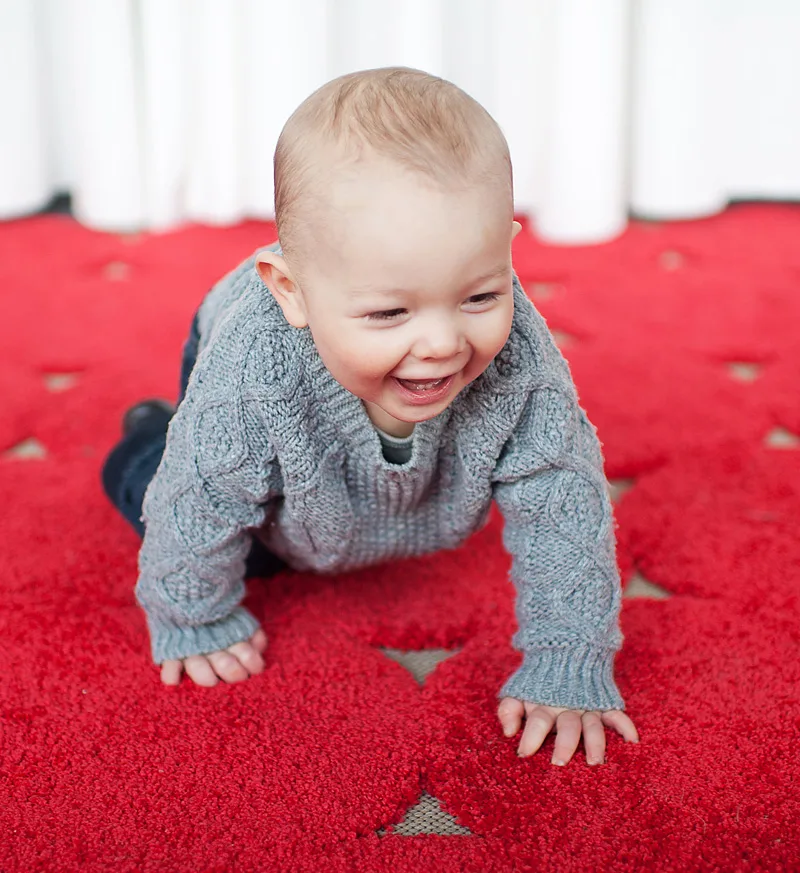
(132, 463)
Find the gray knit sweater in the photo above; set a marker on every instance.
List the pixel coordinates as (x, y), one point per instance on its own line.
(267, 443)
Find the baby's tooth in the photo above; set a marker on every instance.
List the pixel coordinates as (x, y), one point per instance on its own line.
(422, 386)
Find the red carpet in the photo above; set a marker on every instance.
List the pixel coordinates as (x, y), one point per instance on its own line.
(305, 767)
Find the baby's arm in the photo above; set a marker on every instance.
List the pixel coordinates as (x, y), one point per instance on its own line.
(559, 529)
(211, 486)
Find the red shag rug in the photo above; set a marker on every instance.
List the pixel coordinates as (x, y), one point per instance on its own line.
(684, 341)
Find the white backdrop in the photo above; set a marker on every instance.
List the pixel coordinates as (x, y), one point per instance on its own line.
(155, 112)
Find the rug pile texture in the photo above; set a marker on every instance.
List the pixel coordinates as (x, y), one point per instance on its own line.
(684, 342)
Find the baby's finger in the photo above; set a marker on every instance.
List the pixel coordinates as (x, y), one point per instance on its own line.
(568, 736)
(617, 719)
(227, 666)
(200, 671)
(259, 640)
(539, 723)
(510, 713)
(594, 738)
(248, 657)
(171, 672)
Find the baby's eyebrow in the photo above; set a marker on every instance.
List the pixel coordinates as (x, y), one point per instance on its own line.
(496, 272)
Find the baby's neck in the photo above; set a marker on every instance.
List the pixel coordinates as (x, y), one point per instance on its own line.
(387, 423)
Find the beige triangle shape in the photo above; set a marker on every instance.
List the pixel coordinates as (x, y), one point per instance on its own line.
(744, 371)
(563, 339)
(420, 663)
(617, 487)
(56, 382)
(638, 586)
(543, 290)
(427, 817)
(780, 438)
(671, 260)
(30, 449)
(117, 271)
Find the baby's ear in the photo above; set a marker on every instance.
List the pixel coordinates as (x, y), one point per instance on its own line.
(277, 276)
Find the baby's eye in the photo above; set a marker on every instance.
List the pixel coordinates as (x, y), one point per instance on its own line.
(387, 315)
(391, 314)
(484, 298)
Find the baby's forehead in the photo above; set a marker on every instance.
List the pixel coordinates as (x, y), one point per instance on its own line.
(363, 262)
(336, 179)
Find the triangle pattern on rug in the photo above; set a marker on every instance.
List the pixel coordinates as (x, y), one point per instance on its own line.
(57, 382)
(780, 438)
(618, 487)
(29, 449)
(744, 371)
(117, 271)
(638, 586)
(563, 339)
(420, 664)
(671, 260)
(427, 817)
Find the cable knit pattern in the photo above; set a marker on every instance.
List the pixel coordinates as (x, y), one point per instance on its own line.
(266, 443)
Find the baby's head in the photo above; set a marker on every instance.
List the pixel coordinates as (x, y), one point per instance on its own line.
(394, 205)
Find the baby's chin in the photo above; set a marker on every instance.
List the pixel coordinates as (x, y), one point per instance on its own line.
(415, 414)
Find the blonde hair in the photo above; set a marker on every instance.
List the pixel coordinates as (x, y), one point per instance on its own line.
(424, 123)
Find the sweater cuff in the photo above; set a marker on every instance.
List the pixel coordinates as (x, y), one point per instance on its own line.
(169, 641)
(573, 678)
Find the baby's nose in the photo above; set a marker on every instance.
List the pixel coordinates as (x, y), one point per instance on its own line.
(440, 341)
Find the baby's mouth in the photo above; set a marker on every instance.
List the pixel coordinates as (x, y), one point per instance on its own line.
(422, 384)
(421, 392)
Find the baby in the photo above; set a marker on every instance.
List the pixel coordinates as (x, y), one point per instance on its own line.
(363, 391)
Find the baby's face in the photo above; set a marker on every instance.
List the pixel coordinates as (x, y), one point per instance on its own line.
(411, 298)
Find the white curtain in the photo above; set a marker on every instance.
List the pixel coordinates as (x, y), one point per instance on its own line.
(156, 112)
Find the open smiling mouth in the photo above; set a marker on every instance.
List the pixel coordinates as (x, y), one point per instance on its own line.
(423, 391)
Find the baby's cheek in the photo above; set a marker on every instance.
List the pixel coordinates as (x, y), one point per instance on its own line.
(480, 360)
(360, 365)
(375, 358)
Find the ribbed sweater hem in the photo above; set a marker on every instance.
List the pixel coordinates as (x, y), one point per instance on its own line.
(575, 678)
(173, 642)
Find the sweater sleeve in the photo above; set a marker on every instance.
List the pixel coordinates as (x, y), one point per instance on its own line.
(550, 486)
(216, 477)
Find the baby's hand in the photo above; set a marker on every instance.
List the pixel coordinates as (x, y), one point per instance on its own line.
(234, 664)
(542, 720)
